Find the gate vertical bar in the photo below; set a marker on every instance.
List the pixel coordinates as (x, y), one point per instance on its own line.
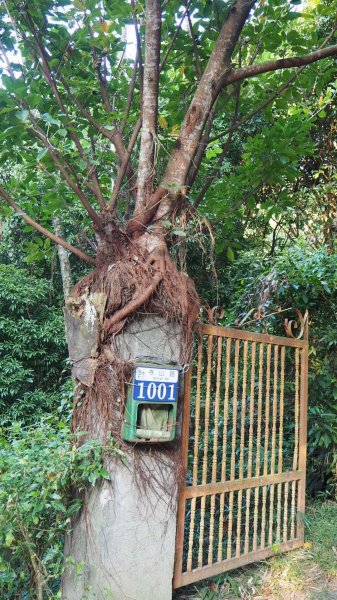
(266, 446)
(215, 445)
(273, 446)
(296, 448)
(232, 472)
(206, 440)
(250, 443)
(224, 446)
(258, 444)
(280, 449)
(303, 430)
(185, 429)
(242, 446)
(195, 450)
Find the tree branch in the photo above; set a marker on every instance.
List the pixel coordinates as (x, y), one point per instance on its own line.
(48, 76)
(122, 169)
(201, 105)
(173, 181)
(139, 50)
(37, 131)
(195, 165)
(44, 231)
(275, 65)
(52, 153)
(225, 149)
(272, 97)
(101, 79)
(113, 136)
(176, 33)
(130, 95)
(146, 167)
(195, 47)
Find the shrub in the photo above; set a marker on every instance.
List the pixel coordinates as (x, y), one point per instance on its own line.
(41, 468)
(32, 345)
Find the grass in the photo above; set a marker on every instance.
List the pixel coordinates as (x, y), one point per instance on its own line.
(309, 573)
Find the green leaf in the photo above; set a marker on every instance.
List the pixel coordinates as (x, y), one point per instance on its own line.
(23, 115)
(230, 254)
(46, 117)
(105, 474)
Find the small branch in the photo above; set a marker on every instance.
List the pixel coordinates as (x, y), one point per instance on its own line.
(163, 62)
(195, 47)
(100, 78)
(44, 231)
(123, 168)
(255, 112)
(139, 50)
(130, 95)
(100, 128)
(5, 57)
(52, 153)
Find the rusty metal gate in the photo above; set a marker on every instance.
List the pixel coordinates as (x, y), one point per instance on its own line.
(244, 436)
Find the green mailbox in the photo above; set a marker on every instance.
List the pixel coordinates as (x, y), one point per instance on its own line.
(151, 405)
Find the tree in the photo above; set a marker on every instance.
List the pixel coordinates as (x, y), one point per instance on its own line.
(127, 139)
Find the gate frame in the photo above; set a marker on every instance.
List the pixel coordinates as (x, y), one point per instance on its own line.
(180, 578)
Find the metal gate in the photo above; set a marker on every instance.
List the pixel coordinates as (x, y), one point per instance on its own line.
(244, 447)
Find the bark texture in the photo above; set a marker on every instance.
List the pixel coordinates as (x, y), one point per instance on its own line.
(150, 103)
(63, 255)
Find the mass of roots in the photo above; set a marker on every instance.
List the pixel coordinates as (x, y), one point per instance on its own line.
(132, 288)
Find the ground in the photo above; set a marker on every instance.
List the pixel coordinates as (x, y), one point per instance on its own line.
(309, 573)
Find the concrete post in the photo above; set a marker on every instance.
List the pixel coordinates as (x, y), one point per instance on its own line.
(125, 535)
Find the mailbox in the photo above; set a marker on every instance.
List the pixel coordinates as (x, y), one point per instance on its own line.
(151, 405)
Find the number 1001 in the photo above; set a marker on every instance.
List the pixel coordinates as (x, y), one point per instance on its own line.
(156, 390)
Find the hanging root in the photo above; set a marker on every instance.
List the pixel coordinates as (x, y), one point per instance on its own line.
(140, 298)
(100, 307)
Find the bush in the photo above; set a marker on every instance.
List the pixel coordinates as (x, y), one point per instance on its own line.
(41, 468)
(32, 345)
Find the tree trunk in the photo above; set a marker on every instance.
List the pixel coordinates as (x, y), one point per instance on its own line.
(125, 534)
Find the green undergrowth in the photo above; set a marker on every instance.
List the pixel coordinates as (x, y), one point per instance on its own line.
(309, 573)
(44, 472)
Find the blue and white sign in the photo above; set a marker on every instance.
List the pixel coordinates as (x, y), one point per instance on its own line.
(155, 384)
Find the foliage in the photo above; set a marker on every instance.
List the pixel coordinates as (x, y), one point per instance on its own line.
(41, 466)
(32, 346)
(91, 55)
(305, 278)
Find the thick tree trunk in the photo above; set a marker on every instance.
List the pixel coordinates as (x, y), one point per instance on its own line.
(125, 535)
(126, 310)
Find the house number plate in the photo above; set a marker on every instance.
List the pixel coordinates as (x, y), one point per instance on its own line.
(153, 384)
